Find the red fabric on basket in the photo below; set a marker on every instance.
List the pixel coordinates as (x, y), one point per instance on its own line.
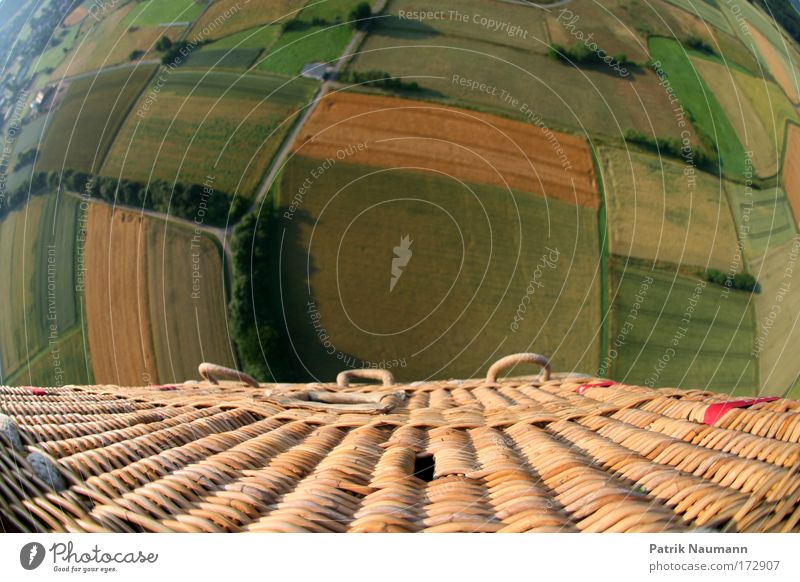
(36, 391)
(717, 410)
(583, 387)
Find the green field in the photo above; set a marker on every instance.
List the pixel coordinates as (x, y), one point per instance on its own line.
(88, 119)
(709, 119)
(764, 218)
(734, 11)
(71, 364)
(40, 234)
(262, 37)
(475, 250)
(778, 329)
(297, 47)
(223, 58)
(742, 114)
(157, 12)
(330, 11)
(657, 212)
(208, 124)
(654, 341)
(57, 49)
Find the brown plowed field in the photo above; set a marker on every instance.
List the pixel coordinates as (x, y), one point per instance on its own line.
(466, 145)
(776, 60)
(116, 298)
(791, 170)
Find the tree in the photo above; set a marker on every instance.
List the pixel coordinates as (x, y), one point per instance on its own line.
(359, 16)
(163, 44)
(135, 55)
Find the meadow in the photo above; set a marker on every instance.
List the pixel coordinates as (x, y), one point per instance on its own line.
(86, 122)
(111, 41)
(203, 124)
(490, 271)
(40, 234)
(223, 58)
(57, 50)
(708, 116)
(145, 327)
(261, 37)
(330, 10)
(658, 213)
(475, 147)
(295, 48)
(669, 329)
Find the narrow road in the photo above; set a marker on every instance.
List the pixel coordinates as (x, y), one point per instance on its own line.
(280, 157)
(217, 232)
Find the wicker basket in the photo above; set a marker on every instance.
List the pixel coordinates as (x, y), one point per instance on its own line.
(524, 454)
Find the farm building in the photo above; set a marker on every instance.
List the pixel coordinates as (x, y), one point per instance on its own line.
(546, 453)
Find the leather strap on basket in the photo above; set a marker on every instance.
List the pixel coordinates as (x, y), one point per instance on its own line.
(515, 359)
(717, 410)
(384, 376)
(213, 373)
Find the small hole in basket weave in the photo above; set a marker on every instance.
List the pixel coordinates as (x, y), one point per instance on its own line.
(423, 468)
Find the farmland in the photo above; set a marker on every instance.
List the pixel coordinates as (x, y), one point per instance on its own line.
(63, 41)
(88, 119)
(658, 213)
(262, 37)
(226, 17)
(70, 363)
(777, 329)
(476, 250)
(297, 47)
(763, 217)
(465, 145)
(708, 116)
(779, 63)
(673, 330)
(111, 41)
(36, 238)
(146, 326)
(186, 295)
(208, 124)
(157, 12)
(742, 115)
(521, 84)
(706, 11)
(791, 170)
(771, 105)
(116, 298)
(331, 12)
(223, 58)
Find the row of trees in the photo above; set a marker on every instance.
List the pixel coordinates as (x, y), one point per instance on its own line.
(189, 201)
(741, 281)
(259, 342)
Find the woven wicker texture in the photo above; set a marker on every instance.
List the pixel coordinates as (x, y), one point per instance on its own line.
(514, 455)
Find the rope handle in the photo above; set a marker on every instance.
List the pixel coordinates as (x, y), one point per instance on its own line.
(214, 372)
(384, 376)
(513, 360)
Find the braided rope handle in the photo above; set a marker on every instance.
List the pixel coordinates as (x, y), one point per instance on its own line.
(514, 359)
(213, 372)
(384, 376)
